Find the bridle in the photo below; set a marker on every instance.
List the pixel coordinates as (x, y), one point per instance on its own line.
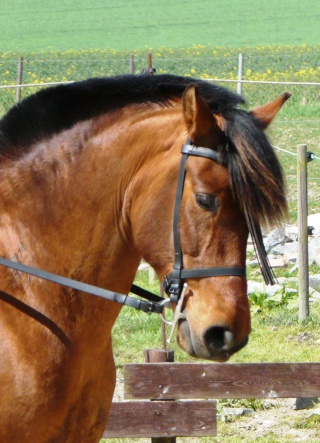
(174, 282)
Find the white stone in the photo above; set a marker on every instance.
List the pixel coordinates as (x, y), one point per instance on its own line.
(314, 282)
(237, 411)
(314, 220)
(276, 237)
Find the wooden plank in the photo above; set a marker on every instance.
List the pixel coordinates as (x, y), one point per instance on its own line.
(205, 381)
(132, 419)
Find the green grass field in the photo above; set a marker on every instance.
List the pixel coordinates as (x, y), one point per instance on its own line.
(121, 24)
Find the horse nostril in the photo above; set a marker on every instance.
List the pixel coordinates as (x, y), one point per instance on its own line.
(218, 338)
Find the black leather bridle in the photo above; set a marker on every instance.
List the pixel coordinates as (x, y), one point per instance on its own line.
(173, 283)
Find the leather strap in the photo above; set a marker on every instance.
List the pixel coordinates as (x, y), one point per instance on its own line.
(199, 151)
(155, 303)
(236, 271)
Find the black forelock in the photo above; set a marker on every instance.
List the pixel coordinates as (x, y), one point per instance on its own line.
(55, 109)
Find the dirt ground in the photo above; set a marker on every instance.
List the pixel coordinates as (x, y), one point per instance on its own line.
(280, 420)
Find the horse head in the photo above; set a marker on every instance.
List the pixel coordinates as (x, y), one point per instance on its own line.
(221, 193)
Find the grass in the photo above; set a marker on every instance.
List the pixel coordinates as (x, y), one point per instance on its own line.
(121, 25)
(308, 422)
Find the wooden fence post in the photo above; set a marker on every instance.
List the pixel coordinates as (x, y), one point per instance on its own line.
(303, 270)
(151, 70)
(19, 79)
(160, 356)
(240, 69)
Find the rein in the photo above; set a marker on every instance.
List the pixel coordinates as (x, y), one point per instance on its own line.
(154, 303)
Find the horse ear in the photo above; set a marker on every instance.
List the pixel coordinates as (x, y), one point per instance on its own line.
(197, 115)
(266, 113)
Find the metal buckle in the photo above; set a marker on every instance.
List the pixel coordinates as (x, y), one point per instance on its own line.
(172, 287)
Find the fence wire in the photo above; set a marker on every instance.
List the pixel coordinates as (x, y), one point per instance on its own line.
(261, 79)
(296, 67)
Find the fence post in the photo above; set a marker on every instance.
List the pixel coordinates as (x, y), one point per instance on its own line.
(240, 69)
(302, 176)
(160, 356)
(19, 79)
(131, 64)
(151, 70)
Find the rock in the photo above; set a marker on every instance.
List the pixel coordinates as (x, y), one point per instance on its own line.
(314, 412)
(314, 296)
(314, 250)
(314, 282)
(291, 233)
(261, 288)
(305, 403)
(238, 412)
(278, 262)
(287, 248)
(286, 280)
(276, 237)
(314, 220)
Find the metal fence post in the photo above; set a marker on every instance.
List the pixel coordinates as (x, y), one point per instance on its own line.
(303, 270)
(19, 79)
(131, 64)
(240, 68)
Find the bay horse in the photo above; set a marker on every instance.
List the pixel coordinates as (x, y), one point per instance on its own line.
(88, 180)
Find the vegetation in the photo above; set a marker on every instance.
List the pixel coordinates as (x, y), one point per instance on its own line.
(119, 24)
(270, 63)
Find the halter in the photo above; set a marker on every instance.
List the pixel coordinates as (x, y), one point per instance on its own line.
(173, 283)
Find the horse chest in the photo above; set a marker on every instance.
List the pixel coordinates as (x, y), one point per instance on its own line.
(56, 398)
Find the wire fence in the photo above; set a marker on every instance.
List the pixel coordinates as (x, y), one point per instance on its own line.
(257, 77)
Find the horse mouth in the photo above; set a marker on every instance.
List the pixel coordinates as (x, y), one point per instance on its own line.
(197, 348)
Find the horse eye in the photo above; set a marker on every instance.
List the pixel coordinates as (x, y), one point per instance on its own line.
(207, 201)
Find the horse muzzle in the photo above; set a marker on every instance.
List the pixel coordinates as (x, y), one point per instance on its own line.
(217, 342)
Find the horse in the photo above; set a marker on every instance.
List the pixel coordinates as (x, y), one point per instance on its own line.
(88, 180)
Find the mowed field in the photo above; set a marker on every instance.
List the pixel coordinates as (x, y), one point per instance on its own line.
(38, 25)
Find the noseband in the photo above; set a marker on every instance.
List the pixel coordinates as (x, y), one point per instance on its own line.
(173, 283)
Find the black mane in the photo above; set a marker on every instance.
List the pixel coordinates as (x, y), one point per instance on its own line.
(58, 108)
